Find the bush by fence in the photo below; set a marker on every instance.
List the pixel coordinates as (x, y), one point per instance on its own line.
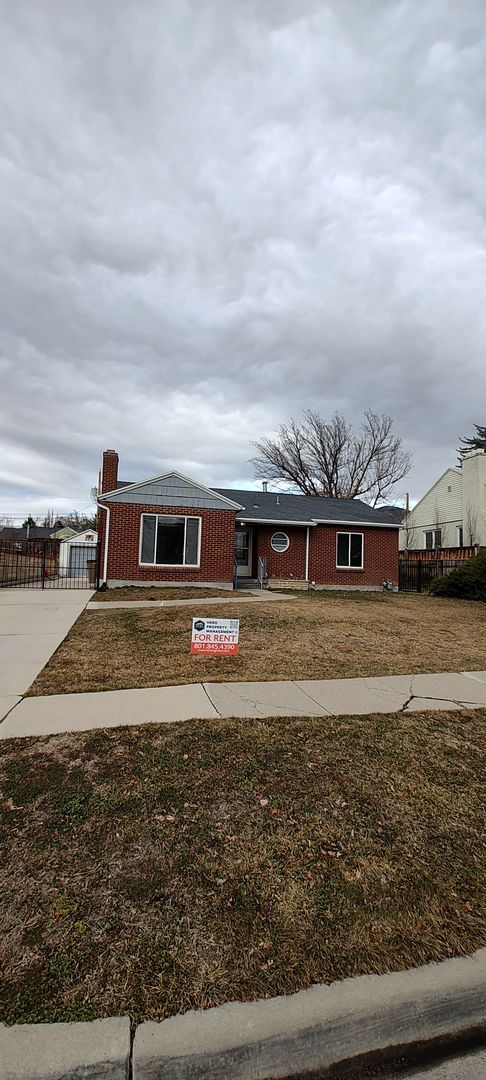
(467, 582)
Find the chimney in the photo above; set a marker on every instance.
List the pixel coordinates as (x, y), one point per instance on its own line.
(473, 468)
(264, 485)
(109, 471)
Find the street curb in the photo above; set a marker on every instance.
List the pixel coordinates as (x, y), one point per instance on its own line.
(316, 1028)
(325, 1027)
(96, 1050)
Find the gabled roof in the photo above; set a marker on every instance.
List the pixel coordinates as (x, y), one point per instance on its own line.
(76, 535)
(275, 507)
(232, 505)
(284, 508)
(455, 472)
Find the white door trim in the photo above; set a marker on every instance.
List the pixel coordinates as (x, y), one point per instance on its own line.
(245, 570)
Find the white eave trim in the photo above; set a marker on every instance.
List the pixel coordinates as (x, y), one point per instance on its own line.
(362, 524)
(179, 476)
(318, 521)
(270, 521)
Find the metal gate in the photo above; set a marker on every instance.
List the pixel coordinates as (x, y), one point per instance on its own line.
(48, 564)
(417, 575)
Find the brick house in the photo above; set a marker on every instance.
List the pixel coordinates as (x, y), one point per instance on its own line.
(171, 530)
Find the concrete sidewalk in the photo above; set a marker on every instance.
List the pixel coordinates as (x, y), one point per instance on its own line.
(33, 622)
(170, 704)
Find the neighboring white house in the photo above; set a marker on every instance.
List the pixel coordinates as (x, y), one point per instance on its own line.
(76, 552)
(453, 512)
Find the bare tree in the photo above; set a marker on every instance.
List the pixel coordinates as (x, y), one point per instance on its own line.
(438, 528)
(77, 520)
(471, 525)
(52, 520)
(409, 531)
(329, 458)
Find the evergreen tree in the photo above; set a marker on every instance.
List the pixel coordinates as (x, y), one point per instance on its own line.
(475, 442)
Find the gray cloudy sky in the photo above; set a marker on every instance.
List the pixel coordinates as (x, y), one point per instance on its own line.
(215, 213)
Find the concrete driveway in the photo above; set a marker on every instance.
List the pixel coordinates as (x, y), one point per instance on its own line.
(33, 622)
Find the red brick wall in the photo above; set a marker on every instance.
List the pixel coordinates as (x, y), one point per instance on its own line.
(280, 564)
(380, 555)
(217, 545)
(217, 548)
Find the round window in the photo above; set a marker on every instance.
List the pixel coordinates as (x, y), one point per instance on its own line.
(280, 541)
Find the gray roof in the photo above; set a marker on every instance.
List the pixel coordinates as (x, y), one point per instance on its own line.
(36, 532)
(306, 509)
(395, 513)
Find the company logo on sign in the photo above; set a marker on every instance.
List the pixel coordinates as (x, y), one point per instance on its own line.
(215, 637)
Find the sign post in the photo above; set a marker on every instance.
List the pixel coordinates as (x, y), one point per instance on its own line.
(215, 637)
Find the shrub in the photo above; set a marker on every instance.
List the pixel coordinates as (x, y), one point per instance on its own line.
(467, 582)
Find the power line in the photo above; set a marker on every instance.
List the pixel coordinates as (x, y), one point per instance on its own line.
(40, 513)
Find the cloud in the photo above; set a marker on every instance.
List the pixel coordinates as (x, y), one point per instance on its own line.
(214, 216)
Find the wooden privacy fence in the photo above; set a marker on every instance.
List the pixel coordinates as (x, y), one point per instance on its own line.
(451, 554)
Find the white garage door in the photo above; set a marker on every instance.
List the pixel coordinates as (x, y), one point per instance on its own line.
(79, 556)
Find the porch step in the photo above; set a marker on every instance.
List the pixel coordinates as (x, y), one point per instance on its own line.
(247, 583)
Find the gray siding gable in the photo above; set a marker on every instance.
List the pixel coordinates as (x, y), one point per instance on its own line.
(171, 490)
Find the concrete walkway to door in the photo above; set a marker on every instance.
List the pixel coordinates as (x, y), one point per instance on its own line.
(33, 622)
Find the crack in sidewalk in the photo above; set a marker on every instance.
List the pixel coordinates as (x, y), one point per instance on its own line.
(10, 711)
(259, 707)
(327, 712)
(211, 702)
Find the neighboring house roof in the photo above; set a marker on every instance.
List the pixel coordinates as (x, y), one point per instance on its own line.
(77, 535)
(36, 532)
(289, 509)
(447, 472)
(395, 513)
(63, 532)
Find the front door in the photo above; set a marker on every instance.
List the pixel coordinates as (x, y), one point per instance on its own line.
(243, 545)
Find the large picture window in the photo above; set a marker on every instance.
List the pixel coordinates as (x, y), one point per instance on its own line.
(169, 541)
(349, 551)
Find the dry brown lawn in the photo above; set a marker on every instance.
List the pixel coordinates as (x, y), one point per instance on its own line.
(154, 592)
(311, 637)
(156, 869)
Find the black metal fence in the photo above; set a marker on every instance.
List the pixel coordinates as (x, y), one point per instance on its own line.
(417, 575)
(48, 564)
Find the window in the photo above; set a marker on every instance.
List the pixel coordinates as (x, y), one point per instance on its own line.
(280, 541)
(169, 541)
(349, 550)
(433, 539)
(460, 536)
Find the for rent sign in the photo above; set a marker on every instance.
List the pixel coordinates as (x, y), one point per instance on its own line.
(215, 636)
